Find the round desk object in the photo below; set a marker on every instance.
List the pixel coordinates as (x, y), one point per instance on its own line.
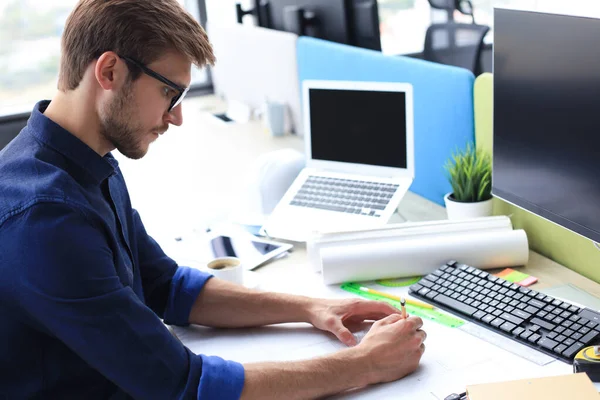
(588, 361)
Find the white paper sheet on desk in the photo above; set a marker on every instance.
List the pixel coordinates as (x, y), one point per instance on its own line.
(403, 257)
(405, 230)
(452, 357)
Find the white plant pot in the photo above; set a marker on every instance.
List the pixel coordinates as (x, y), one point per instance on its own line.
(460, 210)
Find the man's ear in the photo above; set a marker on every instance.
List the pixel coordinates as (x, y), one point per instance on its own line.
(110, 71)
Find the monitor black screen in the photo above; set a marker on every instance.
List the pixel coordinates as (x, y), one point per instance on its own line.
(547, 117)
(358, 126)
(331, 18)
(353, 22)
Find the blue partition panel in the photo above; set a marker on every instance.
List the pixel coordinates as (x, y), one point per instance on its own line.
(443, 101)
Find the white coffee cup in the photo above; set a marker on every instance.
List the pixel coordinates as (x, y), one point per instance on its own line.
(227, 268)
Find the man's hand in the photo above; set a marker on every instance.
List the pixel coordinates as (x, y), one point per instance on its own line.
(337, 316)
(392, 348)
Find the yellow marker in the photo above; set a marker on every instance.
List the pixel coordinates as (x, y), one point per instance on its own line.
(392, 297)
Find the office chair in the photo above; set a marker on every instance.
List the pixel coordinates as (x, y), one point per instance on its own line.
(464, 6)
(453, 43)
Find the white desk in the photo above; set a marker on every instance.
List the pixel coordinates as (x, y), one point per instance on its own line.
(190, 178)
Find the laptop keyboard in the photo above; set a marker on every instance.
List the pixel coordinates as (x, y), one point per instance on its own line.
(345, 195)
(549, 325)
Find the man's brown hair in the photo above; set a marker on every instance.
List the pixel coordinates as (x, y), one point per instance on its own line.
(141, 29)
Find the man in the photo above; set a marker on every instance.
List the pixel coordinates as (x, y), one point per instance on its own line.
(84, 288)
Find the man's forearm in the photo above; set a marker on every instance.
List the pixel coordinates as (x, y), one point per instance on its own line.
(222, 304)
(306, 379)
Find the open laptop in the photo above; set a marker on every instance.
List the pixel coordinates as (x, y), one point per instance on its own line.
(359, 140)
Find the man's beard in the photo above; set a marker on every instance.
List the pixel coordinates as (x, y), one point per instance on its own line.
(115, 125)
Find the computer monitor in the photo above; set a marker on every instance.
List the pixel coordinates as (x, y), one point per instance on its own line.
(353, 22)
(269, 72)
(547, 117)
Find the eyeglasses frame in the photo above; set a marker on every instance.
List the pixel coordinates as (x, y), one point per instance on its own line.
(176, 99)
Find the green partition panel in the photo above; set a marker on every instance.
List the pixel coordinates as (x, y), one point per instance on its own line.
(547, 238)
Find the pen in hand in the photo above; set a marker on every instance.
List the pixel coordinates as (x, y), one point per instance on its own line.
(402, 305)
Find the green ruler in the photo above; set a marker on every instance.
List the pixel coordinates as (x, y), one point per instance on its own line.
(434, 315)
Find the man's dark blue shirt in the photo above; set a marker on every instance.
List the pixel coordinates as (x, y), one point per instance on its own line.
(83, 288)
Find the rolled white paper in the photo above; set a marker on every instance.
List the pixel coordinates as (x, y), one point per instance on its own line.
(420, 255)
(404, 231)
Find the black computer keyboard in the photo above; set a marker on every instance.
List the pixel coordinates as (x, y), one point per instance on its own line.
(542, 322)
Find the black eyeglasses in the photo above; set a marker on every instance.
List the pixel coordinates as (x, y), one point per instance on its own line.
(177, 98)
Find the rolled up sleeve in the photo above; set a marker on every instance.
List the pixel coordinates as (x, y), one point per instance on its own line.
(185, 287)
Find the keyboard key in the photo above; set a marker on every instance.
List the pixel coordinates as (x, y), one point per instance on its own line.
(560, 348)
(568, 332)
(547, 343)
(497, 322)
(543, 324)
(509, 317)
(540, 296)
(591, 325)
(574, 309)
(588, 337)
(479, 315)
(427, 283)
(431, 294)
(525, 334)
(536, 303)
(556, 302)
(518, 331)
(507, 326)
(529, 309)
(590, 315)
(521, 314)
(534, 338)
(572, 350)
(415, 288)
(574, 318)
(455, 305)
(524, 290)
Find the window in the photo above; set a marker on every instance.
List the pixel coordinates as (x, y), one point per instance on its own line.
(402, 25)
(30, 33)
(223, 11)
(402, 22)
(484, 9)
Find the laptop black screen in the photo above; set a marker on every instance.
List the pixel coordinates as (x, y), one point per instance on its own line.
(358, 126)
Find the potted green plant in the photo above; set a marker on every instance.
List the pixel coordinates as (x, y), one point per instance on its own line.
(470, 174)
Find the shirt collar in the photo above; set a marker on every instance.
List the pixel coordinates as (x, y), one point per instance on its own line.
(53, 135)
